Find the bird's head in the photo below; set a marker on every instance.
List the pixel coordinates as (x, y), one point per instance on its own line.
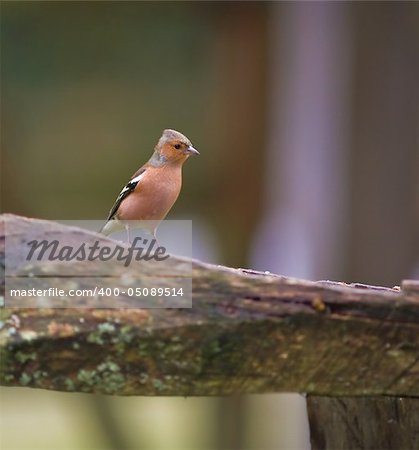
(174, 146)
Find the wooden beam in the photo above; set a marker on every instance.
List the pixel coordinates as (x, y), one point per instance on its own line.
(247, 332)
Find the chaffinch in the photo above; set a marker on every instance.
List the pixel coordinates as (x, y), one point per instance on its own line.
(153, 189)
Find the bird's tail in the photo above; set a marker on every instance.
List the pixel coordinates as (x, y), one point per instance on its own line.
(110, 227)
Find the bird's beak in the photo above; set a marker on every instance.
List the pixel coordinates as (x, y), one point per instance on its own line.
(192, 151)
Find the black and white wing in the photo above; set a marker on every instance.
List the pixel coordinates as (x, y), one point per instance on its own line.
(126, 190)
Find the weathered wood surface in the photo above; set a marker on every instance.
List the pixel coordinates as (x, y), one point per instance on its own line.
(384, 423)
(247, 332)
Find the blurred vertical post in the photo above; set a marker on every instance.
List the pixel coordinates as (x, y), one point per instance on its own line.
(384, 238)
(237, 122)
(305, 188)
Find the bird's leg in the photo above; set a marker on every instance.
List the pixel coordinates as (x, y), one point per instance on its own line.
(128, 234)
(155, 237)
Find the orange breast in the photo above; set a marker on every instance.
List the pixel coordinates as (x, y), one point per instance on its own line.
(154, 195)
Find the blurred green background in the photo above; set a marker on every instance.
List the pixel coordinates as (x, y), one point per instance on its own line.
(306, 115)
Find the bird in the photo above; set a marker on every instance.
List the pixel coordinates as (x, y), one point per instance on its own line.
(154, 188)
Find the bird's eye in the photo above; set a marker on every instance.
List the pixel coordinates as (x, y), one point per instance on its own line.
(177, 146)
